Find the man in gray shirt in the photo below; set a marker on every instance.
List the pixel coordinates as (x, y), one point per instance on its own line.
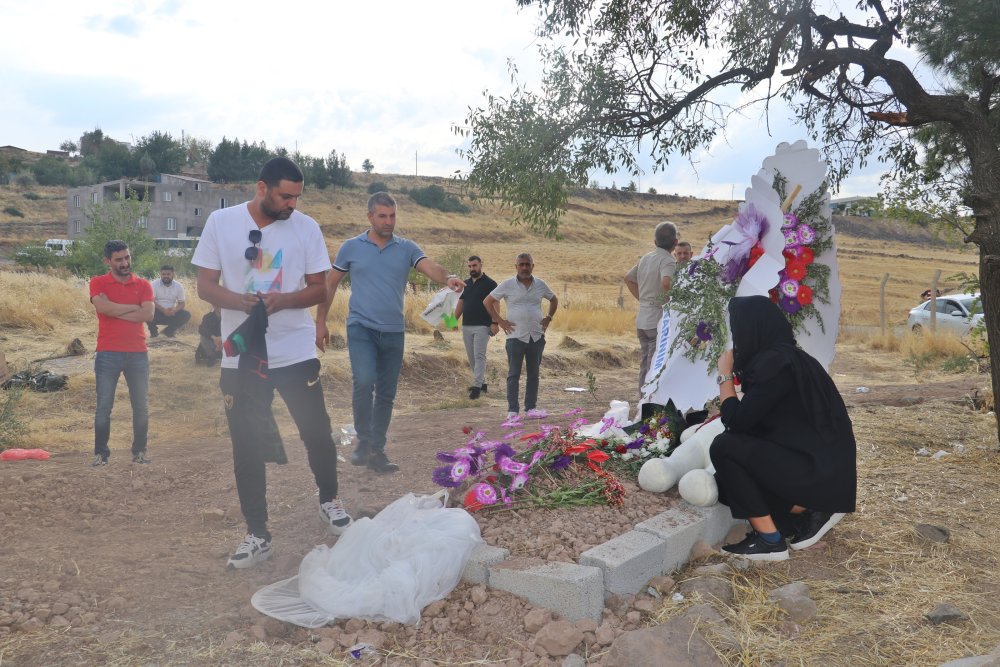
(649, 281)
(525, 328)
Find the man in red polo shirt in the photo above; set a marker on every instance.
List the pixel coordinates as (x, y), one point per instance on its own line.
(124, 302)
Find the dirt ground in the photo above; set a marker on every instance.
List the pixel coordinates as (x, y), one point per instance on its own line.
(131, 559)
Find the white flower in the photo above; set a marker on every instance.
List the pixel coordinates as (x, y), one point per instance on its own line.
(626, 456)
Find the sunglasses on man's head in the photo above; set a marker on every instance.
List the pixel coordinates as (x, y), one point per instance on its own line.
(253, 251)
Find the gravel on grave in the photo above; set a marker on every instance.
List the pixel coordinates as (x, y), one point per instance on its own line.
(563, 534)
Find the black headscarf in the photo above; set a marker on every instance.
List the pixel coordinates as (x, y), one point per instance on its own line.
(763, 345)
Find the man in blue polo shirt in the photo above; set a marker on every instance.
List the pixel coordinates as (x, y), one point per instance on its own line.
(379, 263)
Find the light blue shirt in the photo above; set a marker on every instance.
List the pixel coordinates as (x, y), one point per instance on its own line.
(378, 280)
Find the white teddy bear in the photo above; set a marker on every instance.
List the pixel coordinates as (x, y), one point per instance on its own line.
(688, 466)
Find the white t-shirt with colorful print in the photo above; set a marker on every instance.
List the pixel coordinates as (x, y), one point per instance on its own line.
(289, 250)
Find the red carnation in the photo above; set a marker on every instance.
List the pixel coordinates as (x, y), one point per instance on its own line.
(805, 295)
(621, 449)
(773, 293)
(806, 255)
(795, 270)
(466, 430)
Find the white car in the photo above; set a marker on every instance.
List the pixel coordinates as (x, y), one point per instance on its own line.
(956, 313)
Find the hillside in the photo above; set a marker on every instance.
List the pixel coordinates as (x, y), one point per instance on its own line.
(603, 234)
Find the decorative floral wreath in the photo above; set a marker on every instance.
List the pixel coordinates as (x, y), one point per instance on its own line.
(702, 291)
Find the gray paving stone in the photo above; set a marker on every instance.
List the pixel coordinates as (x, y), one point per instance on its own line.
(628, 561)
(477, 570)
(680, 527)
(573, 591)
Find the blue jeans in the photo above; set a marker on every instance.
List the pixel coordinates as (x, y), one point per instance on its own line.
(107, 367)
(518, 354)
(376, 359)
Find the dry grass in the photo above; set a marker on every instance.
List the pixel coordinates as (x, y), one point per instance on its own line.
(875, 587)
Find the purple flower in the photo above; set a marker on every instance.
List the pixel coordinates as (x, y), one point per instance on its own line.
(489, 445)
(504, 496)
(693, 266)
(547, 429)
(577, 424)
(790, 305)
(791, 238)
(485, 493)
(446, 457)
(662, 421)
(442, 477)
(751, 225)
(703, 332)
(607, 422)
(535, 457)
(574, 411)
(791, 220)
(512, 435)
(510, 466)
(504, 450)
(806, 234)
(561, 462)
(789, 287)
(644, 429)
(519, 481)
(637, 443)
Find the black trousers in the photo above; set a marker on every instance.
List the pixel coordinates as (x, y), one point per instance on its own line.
(758, 477)
(248, 409)
(173, 322)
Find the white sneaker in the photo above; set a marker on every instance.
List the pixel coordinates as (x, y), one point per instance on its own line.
(335, 516)
(511, 414)
(251, 551)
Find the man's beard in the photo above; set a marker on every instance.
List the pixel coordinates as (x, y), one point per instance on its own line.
(166, 281)
(281, 214)
(475, 274)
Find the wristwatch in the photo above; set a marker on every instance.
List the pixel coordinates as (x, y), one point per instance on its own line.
(719, 379)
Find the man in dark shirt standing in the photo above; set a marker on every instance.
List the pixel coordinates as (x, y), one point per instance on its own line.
(477, 324)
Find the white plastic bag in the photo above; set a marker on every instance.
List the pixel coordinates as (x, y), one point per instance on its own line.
(387, 568)
(617, 413)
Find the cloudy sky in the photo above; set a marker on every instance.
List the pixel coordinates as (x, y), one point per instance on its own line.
(382, 79)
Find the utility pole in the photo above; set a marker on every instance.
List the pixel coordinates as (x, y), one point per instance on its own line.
(416, 171)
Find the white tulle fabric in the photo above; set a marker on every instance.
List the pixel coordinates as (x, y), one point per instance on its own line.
(387, 568)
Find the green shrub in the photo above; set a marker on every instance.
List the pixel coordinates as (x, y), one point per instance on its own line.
(434, 196)
(32, 196)
(13, 212)
(36, 256)
(12, 426)
(377, 186)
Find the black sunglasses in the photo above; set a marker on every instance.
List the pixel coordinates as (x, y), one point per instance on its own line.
(253, 251)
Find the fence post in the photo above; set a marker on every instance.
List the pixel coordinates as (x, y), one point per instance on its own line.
(934, 291)
(881, 301)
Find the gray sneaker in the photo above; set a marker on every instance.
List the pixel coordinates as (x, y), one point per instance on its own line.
(251, 551)
(99, 460)
(335, 516)
(141, 457)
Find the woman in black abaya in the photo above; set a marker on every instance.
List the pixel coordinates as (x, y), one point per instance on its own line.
(787, 459)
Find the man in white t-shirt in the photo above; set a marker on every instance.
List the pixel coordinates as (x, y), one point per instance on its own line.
(649, 281)
(264, 251)
(168, 298)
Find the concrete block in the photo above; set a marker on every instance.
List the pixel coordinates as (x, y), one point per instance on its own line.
(477, 570)
(575, 592)
(680, 527)
(628, 561)
(718, 521)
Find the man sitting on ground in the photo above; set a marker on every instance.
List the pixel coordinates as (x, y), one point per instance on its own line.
(169, 300)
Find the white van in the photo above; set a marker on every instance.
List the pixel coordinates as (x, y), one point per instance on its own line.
(58, 246)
